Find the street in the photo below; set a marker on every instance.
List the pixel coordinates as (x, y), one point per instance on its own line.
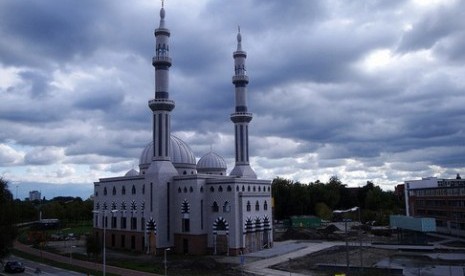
(31, 267)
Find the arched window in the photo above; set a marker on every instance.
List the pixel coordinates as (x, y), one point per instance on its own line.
(243, 188)
(248, 206)
(269, 189)
(237, 188)
(257, 206)
(248, 188)
(259, 189)
(229, 188)
(191, 190)
(215, 207)
(220, 189)
(265, 206)
(254, 188)
(184, 172)
(212, 189)
(133, 190)
(105, 191)
(143, 189)
(179, 190)
(226, 207)
(201, 189)
(123, 190)
(114, 190)
(185, 189)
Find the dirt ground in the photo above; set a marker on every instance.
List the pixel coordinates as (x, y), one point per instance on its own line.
(335, 256)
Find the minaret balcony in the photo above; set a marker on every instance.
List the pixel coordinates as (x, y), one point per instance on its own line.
(161, 104)
(241, 117)
(161, 60)
(240, 78)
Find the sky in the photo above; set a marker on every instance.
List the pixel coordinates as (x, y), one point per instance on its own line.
(363, 90)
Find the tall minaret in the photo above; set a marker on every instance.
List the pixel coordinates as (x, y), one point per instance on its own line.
(161, 105)
(241, 117)
(160, 173)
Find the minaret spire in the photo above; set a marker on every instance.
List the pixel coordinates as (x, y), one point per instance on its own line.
(241, 117)
(161, 105)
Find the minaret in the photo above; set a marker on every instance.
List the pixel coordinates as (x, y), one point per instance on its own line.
(160, 173)
(241, 117)
(161, 105)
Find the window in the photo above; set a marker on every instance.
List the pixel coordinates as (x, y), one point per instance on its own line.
(215, 207)
(133, 190)
(123, 190)
(248, 188)
(114, 191)
(133, 242)
(257, 206)
(229, 188)
(143, 189)
(123, 223)
(201, 189)
(212, 189)
(243, 188)
(254, 188)
(265, 206)
(237, 188)
(191, 189)
(248, 206)
(113, 222)
(123, 241)
(185, 225)
(226, 207)
(220, 189)
(185, 190)
(105, 191)
(133, 223)
(179, 190)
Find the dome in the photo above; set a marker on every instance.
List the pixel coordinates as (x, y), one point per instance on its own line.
(132, 172)
(180, 153)
(211, 163)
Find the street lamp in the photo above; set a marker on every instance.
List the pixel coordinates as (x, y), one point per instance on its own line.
(353, 209)
(104, 212)
(166, 263)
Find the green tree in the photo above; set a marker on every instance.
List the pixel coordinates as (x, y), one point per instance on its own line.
(322, 210)
(93, 247)
(8, 228)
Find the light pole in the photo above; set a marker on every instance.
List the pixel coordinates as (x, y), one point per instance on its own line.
(166, 263)
(345, 226)
(104, 262)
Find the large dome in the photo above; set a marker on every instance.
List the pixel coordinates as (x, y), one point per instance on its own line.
(180, 153)
(211, 163)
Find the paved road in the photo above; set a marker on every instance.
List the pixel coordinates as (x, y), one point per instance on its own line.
(83, 264)
(31, 268)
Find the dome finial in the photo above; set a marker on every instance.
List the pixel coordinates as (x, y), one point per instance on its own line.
(162, 14)
(239, 38)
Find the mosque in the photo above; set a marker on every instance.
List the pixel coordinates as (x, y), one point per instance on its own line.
(175, 202)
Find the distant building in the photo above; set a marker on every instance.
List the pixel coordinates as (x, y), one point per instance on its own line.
(175, 201)
(34, 195)
(442, 199)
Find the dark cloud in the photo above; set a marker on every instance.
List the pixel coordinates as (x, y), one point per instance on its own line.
(365, 90)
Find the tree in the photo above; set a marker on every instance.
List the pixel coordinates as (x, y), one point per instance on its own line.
(8, 228)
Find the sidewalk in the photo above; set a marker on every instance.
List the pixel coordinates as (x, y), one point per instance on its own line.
(83, 264)
(281, 253)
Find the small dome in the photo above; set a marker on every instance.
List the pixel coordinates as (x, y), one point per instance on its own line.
(132, 172)
(211, 163)
(180, 153)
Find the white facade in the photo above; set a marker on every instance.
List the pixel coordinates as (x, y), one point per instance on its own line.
(174, 201)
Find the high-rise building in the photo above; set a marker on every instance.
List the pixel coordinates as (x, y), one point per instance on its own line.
(174, 201)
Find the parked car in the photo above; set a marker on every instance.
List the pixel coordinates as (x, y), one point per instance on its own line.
(14, 267)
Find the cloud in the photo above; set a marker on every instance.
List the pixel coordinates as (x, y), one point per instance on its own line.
(362, 90)
(9, 156)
